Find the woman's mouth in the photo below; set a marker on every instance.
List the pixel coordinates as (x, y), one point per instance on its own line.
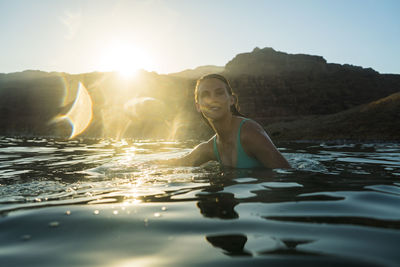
(213, 108)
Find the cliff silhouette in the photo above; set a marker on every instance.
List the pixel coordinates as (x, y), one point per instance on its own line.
(294, 96)
(275, 84)
(198, 72)
(378, 120)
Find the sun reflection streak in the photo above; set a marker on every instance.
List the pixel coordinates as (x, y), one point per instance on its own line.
(134, 201)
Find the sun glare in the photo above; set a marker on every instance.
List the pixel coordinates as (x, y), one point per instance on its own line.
(125, 59)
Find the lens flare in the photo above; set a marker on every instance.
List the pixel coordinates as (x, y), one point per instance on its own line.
(145, 108)
(81, 113)
(175, 127)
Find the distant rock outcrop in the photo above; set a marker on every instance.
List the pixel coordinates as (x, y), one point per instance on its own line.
(274, 85)
(293, 96)
(267, 61)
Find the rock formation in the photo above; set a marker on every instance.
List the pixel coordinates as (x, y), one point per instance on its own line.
(293, 96)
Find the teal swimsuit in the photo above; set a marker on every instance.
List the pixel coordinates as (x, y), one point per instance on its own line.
(243, 160)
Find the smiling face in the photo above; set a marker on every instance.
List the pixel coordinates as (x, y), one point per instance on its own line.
(213, 99)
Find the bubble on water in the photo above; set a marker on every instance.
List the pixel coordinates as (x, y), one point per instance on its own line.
(164, 208)
(115, 212)
(68, 212)
(96, 212)
(157, 214)
(54, 224)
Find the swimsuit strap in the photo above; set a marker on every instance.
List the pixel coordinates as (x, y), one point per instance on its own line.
(240, 129)
(216, 153)
(243, 160)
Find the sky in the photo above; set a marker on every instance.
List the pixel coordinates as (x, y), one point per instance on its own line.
(166, 36)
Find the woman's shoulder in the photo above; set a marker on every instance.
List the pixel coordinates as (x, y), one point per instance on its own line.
(253, 134)
(251, 127)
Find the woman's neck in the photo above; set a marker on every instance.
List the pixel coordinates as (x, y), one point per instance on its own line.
(224, 128)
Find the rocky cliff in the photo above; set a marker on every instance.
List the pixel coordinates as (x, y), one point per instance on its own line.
(274, 85)
(267, 61)
(294, 96)
(378, 120)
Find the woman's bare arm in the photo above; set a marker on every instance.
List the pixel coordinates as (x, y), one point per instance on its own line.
(202, 153)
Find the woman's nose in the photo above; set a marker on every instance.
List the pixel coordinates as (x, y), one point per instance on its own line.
(213, 97)
(211, 100)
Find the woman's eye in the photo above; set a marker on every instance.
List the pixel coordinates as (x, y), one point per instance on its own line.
(204, 94)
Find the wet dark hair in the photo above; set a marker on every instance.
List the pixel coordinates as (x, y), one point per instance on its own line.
(234, 108)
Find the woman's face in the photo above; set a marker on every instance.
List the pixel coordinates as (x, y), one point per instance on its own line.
(213, 99)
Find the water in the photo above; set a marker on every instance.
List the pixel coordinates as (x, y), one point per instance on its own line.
(102, 203)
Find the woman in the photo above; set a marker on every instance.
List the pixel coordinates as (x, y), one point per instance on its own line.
(238, 142)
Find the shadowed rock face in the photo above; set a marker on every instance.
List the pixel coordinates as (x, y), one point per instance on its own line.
(274, 85)
(294, 96)
(267, 61)
(378, 120)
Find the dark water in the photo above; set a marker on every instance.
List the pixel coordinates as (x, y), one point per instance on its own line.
(101, 203)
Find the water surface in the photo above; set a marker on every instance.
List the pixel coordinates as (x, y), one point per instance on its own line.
(102, 203)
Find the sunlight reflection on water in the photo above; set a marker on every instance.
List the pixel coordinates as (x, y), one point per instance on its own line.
(339, 200)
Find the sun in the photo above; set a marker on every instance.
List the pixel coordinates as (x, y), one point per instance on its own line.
(126, 59)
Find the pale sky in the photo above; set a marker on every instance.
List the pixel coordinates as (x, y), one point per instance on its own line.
(165, 36)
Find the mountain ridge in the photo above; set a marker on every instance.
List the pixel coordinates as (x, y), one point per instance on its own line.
(197, 72)
(275, 88)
